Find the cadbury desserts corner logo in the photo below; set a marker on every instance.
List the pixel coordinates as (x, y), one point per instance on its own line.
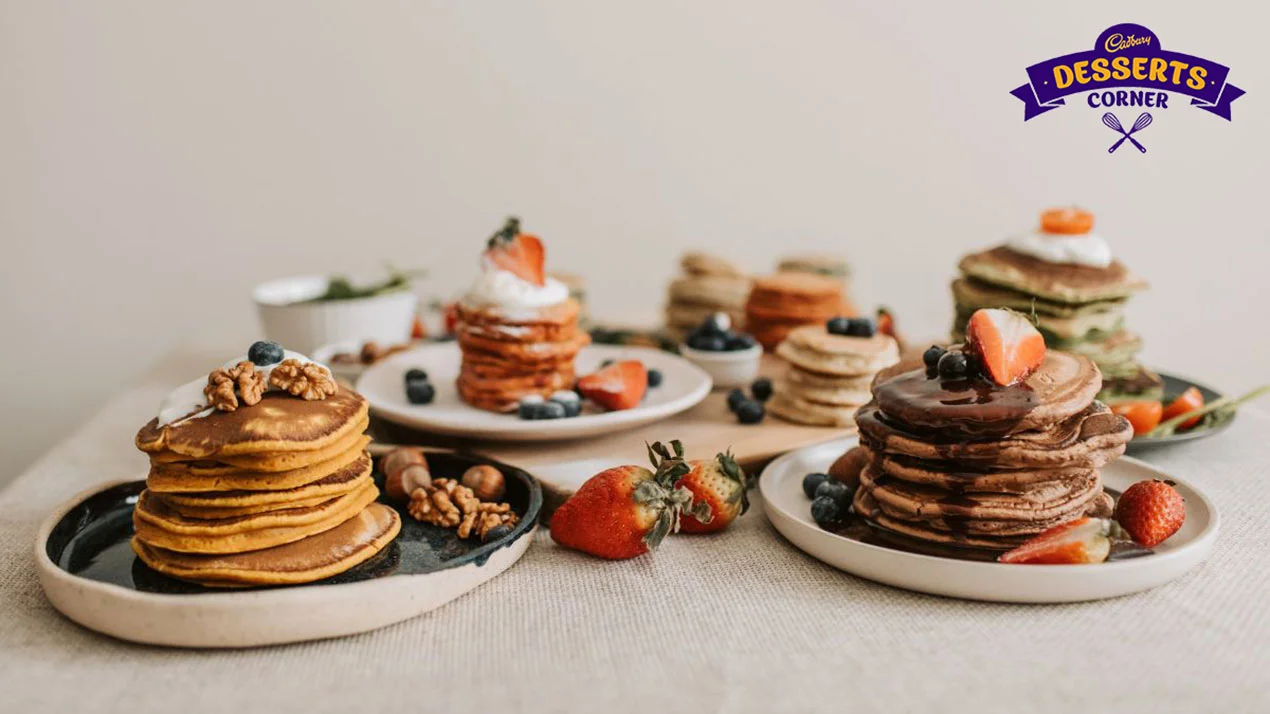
(1127, 73)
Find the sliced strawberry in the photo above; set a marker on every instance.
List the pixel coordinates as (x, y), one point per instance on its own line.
(1084, 540)
(620, 385)
(886, 322)
(1007, 344)
(520, 254)
(1144, 415)
(417, 330)
(451, 315)
(1187, 401)
(1151, 512)
(1067, 221)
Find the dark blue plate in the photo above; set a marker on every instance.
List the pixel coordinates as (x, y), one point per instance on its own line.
(1211, 424)
(91, 540)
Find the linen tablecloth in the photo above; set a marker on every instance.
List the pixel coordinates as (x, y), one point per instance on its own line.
(731, 623)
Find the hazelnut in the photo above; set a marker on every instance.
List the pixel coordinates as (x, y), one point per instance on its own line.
(406, 481)
(400, 458)
(485, 481)
(371, 353)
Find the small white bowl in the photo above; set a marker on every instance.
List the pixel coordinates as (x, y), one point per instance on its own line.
(290, 320)
(736, 368)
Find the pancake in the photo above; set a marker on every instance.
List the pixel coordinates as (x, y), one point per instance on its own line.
(202, 477)
(348, 478)
(525, 352)
(519, 333)
(710, 291)
(959, 478)
(1059, 282)
(314, 558)
(564, 313)
(813, 348)
(698, 263)
(1091, 438)
(840, 391)
(279, 422)
(804, 411)
(356, 440)
(1062, 387)
(820, 264)
(970, 295)
(784, 291)
(1059, 331)
(159, 525)
(503, 395)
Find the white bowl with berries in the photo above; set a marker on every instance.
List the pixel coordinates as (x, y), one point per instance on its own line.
(730, 357)
(309, 311)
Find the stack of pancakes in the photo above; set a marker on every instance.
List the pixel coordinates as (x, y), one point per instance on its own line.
(1078, 309)
(828, 376)
(275, 493)
(708, 285)
(969, 463)
(829, 266)
(781, 302)
(508, 355)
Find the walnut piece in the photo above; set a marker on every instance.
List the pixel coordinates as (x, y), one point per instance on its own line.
(449, 504)
(309, 381)
(221, 384)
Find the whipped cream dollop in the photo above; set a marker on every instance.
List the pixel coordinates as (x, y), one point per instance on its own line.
(1089, 249)
(501, 288)
(188, 402)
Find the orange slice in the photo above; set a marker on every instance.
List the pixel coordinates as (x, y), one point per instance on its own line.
(1067, 221)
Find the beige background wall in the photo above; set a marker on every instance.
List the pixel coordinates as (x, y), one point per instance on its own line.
(158, 158)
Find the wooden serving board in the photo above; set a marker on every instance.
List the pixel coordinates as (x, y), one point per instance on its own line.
(705, 430)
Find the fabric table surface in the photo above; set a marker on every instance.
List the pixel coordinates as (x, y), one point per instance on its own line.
(736, 622)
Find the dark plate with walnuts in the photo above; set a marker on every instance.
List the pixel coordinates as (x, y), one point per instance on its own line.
(90, 573)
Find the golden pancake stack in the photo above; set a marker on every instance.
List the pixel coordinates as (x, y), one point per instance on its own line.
(272, 492)
(828, 375)
(707, 285)
(781, 302)
(508, 355)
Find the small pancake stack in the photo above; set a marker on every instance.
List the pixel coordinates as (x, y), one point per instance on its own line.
(966, 462)
(708, 285)
(818, 264)
(828, 375)
(507, 356)
(1079, 308)
(781, 302)
(273, 489)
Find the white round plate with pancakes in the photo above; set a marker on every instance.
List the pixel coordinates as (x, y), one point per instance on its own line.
(683, 386)
(789, 510)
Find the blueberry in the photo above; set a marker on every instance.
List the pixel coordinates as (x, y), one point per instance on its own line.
(735, 398)
(838, 326)
(497, 532)
(750, 412)
(571, 402)
(738, 341)
(264, 352)
(708, 343)
(860, 327)
(654, 378)
(529, 406)
(837, 490)
(761, 389)
(420, 392)
(552, 410)
(932, 354)
(825, 511)
(416, 375)
(811, 481)
(717, 324)
(953, 365)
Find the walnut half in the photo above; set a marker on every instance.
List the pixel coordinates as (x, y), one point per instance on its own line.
(221, 384)
(309, 381)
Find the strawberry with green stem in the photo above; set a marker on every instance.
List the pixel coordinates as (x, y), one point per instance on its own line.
(719, 492)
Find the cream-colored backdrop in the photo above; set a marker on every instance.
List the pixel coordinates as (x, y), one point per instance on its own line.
(159, 157)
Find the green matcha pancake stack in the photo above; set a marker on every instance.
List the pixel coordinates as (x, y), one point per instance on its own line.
(259, 476)
(1065, 276)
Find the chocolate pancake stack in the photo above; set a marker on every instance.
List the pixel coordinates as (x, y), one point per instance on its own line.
(508, 355)
(968, 463)
(272, 493)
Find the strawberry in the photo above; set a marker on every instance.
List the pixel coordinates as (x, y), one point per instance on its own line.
(1187, 401)
(450, 313)
(520, 254)
(718, 488)
(1084, 540)
(1008, 345)
(1151, 512)
(417, 330)
(1067, 221)
(618, 386)
(625, 511)
(1144, 415)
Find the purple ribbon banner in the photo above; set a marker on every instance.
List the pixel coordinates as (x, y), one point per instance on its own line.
(1113, 65)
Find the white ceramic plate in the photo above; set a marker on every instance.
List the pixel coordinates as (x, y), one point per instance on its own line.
(683, 386)
(789, 510)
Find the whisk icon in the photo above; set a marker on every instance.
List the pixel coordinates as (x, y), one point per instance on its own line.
(1143, 121)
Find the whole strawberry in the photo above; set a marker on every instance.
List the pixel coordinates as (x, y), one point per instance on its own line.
(1150, 512)
(718, 489)
(625, 511)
